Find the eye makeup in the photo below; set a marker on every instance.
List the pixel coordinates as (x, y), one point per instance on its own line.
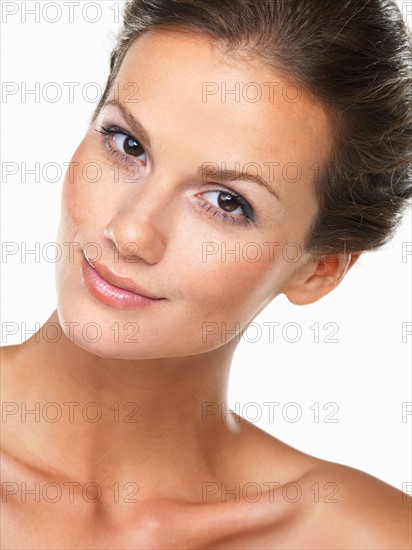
(125, 147)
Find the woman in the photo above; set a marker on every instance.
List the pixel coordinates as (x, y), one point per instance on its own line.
(153, 293)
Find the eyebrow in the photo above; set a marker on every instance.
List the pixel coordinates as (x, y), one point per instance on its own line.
(222, 175)
(236, 175)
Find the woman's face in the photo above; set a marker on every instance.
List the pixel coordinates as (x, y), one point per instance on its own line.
(143, 200)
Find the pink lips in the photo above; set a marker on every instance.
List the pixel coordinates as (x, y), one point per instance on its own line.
(113, 290)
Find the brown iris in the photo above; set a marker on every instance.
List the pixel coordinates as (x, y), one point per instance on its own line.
(227, 202)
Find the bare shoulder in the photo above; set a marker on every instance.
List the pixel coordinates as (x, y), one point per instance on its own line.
(326, 505)
(358, 509)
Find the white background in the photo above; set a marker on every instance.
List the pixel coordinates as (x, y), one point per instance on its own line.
(366, 373)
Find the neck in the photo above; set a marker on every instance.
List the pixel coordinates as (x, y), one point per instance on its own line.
(109, 420)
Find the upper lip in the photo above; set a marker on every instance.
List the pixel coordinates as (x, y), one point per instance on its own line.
(124, 283)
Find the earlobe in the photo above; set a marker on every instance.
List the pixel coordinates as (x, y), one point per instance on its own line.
(325, 275)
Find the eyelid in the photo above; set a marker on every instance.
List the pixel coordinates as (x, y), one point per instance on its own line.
(138, 131)
(116, 129)
(242, 201)
(246, 218)
(224, 216)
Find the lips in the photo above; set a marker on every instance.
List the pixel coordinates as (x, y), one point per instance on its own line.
(115, 290)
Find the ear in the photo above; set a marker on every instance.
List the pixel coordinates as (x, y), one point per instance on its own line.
(317, 278)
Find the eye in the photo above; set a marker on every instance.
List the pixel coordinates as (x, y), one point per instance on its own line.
(229, 206)
(226, 201)
(122, 144)
(128, 145)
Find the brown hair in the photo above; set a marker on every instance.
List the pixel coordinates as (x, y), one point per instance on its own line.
(355, 56)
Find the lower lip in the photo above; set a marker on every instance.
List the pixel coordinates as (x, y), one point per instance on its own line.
(113, 295)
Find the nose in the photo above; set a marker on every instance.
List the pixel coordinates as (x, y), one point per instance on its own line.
(137, 229)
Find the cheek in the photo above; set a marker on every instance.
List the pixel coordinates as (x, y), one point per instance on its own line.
(232, 287)
(79, 221)
(222, 296)
(74, 202)
(85, 190)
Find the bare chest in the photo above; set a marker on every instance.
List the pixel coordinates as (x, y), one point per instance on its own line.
(61, 524)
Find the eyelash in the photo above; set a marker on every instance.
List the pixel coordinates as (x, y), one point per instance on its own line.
(224, 216)
(248, 217)
(113, 131)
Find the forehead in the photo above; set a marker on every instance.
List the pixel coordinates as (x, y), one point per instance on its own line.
(180, 83)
